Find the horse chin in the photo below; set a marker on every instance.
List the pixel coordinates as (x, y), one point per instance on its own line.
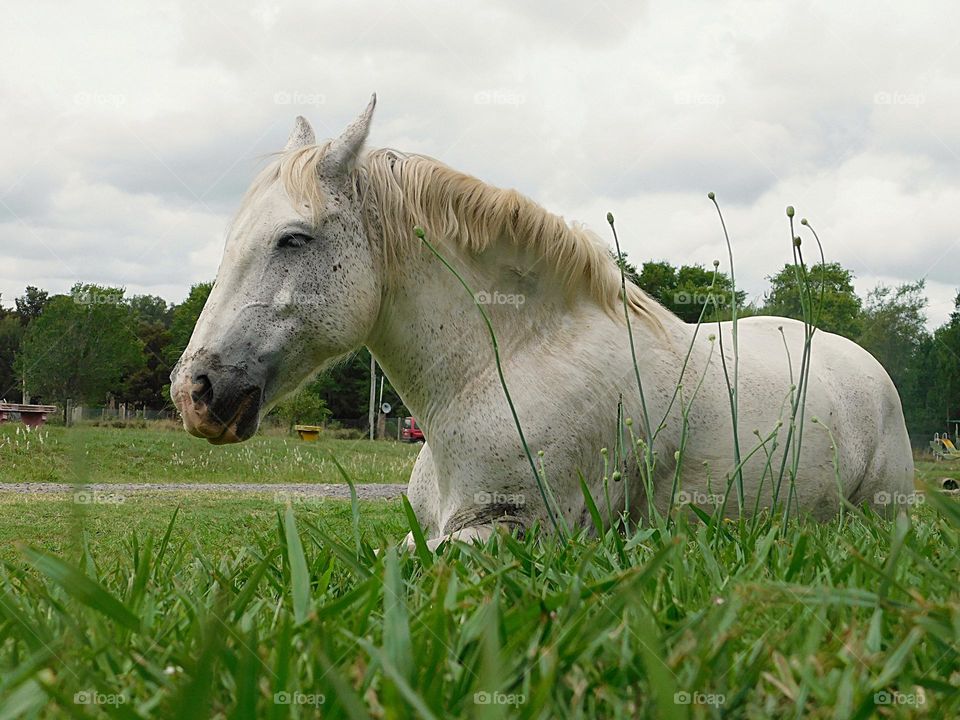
(244, 422)
(243, 426)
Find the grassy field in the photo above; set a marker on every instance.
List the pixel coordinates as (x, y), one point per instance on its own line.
(244, 608)
(207, 522)
(95, 454)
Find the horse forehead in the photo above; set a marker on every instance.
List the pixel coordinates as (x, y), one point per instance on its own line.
(264, 212)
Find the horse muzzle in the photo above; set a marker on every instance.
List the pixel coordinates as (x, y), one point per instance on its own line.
(218, 403)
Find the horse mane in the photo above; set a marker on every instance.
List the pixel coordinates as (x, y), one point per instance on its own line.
(400, 191)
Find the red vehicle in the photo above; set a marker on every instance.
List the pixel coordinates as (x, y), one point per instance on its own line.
(410, 432)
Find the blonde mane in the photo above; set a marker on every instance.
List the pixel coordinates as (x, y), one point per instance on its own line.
(400, 191)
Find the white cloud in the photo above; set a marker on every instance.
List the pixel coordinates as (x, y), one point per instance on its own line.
(130, 132)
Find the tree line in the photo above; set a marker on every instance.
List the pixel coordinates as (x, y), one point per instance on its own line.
(96, 344)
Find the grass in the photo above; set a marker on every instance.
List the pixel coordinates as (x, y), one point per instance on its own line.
(207, 522)
(929, 471)
(92, 454)
(196, 605)
(264, 612)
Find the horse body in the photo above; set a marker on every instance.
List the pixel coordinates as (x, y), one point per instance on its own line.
(322, 259)
(567, 367)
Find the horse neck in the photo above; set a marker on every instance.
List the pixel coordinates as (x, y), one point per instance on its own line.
(430, 337)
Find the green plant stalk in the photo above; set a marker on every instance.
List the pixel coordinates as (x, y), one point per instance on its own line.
(648, 455)
(795, 435)
(686, 359)
(419, 232)
(685, 413)
(836, 469)
(732, 390)
(621, 462)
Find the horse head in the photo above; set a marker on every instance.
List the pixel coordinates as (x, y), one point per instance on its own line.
(297, 286)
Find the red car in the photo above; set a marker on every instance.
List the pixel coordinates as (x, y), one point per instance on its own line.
(411, 432)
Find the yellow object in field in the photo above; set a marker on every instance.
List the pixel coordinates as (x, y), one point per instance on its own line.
(308, 433)
(948, 444)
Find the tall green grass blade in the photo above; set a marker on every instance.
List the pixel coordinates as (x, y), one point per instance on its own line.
(297, 562)
(354, 505)
(419, 541)
(78, 585)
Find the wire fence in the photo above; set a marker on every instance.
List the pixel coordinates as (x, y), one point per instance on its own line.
(385, 427)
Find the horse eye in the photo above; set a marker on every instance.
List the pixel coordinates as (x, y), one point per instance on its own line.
(293, 240)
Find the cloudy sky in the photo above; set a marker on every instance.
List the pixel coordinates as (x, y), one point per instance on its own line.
(131, 130)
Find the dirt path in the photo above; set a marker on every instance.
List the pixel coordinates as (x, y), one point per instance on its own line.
(369, 491)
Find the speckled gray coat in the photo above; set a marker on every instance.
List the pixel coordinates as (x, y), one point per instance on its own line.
(291, 294)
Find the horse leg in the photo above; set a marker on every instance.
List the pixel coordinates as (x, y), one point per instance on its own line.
(466, 535)
(423, 493)
(887, 487)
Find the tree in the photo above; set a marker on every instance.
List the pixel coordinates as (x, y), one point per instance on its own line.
(80, 347)
(147, 386)
(840, 310)
(946, 374)
(305, 407)
(893, 326)
(184, 319)
(11, 334)
(687, 290)
(30, 304)
(629, 269)
(151, 309)
(151, 316)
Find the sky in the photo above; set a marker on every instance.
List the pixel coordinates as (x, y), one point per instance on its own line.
(130, 131)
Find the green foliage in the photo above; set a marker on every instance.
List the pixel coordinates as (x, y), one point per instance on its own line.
(11, 335)
(687, 290)
(840, 310)
(185, 316)
(945, 364)
(345, 388)
(810, 620)
(151, 309)
(305, 407)
(31, 304)
(81, 346)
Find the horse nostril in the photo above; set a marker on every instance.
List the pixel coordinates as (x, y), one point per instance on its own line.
(202, 391)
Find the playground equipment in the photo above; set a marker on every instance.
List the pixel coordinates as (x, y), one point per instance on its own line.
(30, 415)
(943, 447)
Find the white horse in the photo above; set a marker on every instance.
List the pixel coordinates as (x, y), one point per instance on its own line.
(322, 259)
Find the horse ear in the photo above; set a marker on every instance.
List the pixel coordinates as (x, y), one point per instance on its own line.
(301, 135)
(344, 151)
